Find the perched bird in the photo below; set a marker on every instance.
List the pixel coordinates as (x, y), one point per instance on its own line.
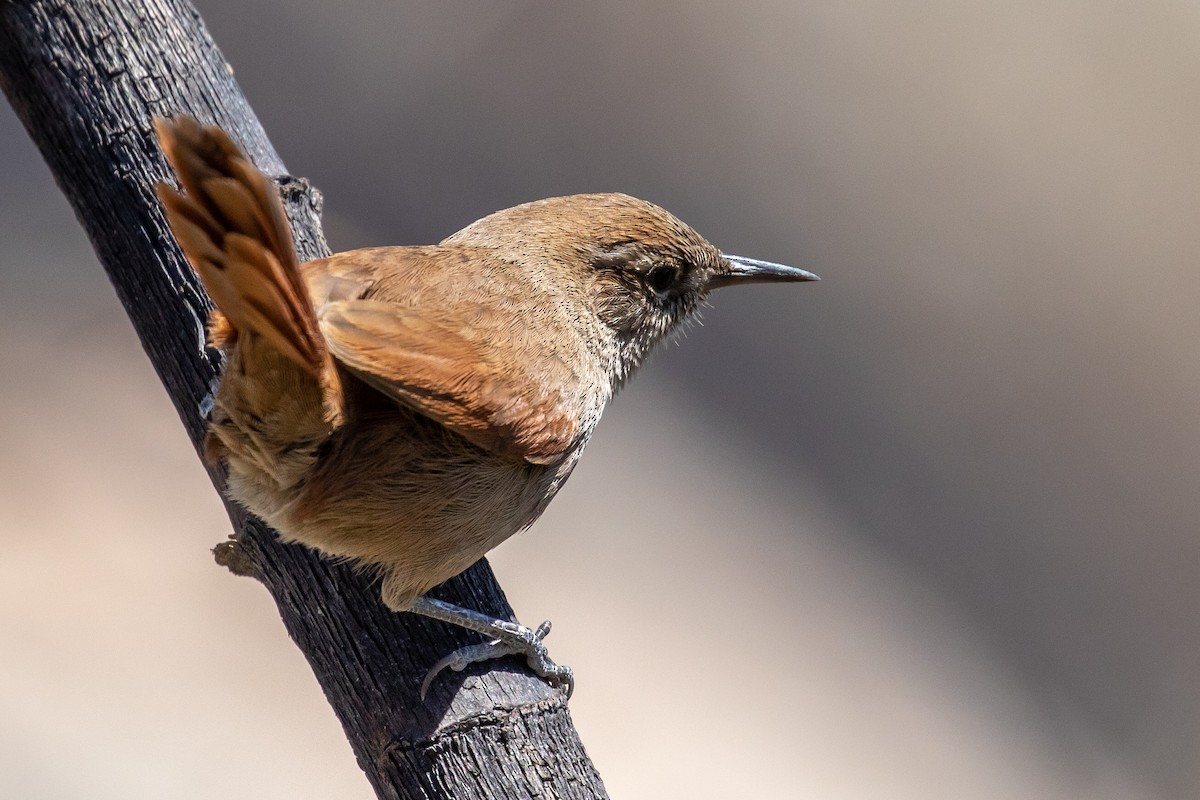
(409, 408)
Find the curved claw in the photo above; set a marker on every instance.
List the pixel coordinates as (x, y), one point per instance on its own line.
(462, 658)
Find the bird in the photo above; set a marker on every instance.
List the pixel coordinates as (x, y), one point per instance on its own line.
(408, 408)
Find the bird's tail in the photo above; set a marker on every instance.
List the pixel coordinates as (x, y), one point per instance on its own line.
(231, 225)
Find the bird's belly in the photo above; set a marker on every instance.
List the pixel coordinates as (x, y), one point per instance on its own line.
(405, 494)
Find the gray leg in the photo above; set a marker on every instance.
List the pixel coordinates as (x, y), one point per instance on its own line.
(507, 638)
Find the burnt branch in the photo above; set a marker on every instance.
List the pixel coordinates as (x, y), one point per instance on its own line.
(85, 76)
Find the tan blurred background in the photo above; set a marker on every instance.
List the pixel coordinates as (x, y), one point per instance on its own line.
(927, 529)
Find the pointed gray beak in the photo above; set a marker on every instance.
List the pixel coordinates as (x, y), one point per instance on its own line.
(751, 270)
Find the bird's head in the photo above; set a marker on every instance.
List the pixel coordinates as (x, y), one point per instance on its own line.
(640, 269)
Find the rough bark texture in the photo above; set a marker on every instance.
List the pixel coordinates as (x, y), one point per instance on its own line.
(85, 76)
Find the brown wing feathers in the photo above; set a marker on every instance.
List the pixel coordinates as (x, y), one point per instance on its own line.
(232, 228)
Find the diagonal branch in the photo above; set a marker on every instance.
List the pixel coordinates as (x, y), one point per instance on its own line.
(85, 76)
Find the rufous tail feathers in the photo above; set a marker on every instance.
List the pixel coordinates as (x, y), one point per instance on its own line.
(231, 225)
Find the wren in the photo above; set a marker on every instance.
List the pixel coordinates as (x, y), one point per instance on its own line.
(409, 408)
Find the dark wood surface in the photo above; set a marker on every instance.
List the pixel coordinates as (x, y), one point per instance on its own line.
(85, 77)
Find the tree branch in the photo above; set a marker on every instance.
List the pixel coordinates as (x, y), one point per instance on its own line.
(85, 76)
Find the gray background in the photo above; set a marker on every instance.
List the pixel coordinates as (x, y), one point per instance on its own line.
(926, 529)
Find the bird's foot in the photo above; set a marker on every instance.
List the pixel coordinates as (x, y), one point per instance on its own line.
(521, 640)
(507, 638)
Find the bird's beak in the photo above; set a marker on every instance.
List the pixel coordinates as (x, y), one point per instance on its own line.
(751, 270)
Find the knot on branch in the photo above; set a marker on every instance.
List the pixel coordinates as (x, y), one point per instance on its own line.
(300, 192)
(232, 555)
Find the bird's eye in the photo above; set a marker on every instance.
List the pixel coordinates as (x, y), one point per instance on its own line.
(662, 278)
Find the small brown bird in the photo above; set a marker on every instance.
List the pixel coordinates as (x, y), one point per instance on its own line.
(410, 408)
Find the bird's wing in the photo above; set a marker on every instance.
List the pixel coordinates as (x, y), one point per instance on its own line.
(465, 359)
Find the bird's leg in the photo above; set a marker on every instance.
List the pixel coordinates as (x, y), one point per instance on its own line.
(506, 638)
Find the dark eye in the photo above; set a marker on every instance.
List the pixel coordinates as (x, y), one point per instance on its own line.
(662, 278)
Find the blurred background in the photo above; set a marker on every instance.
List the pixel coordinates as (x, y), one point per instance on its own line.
(927, 529)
